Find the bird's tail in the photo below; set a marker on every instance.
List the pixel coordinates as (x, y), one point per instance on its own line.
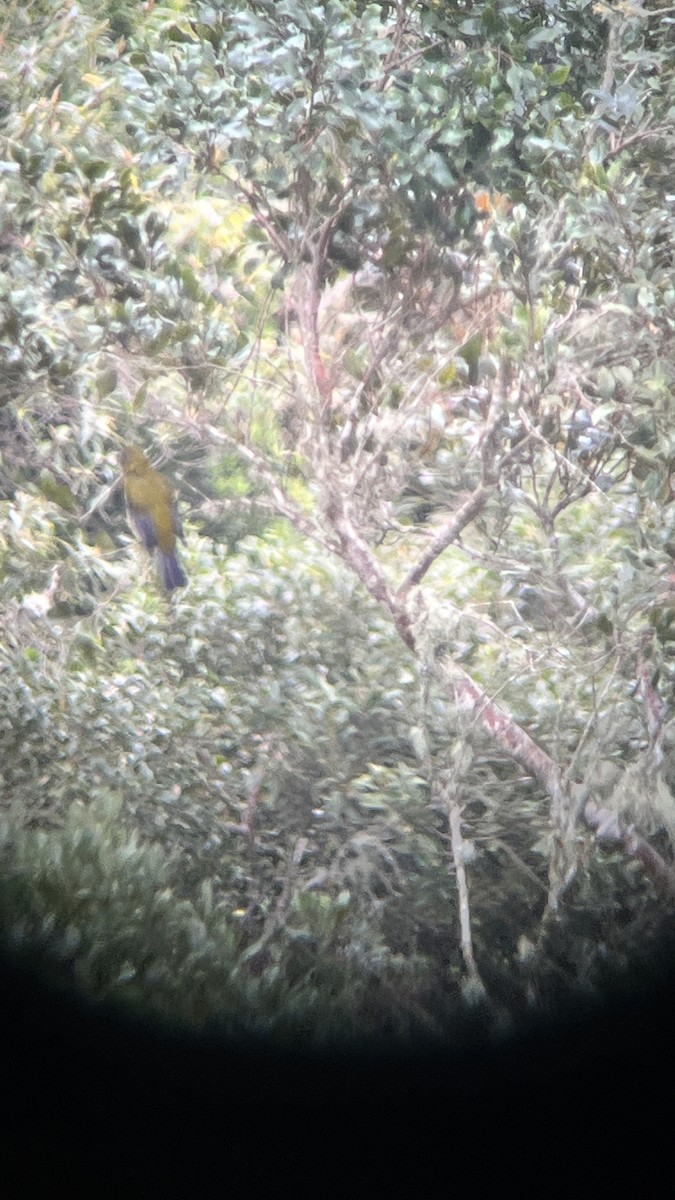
(173, 575)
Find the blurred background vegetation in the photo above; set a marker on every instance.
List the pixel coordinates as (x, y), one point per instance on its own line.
(317, 257)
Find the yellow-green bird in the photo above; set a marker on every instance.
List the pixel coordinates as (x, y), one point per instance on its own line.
(152, 511)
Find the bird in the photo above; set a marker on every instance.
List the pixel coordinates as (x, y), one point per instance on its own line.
(153, 514)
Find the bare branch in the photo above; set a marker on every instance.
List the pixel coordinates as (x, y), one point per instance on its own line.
(358, 555)
(454, 809)
(256, 204)
(506, 733)
(448, 534)
(642, 135)
(475, 502)
(609, 828)
(311, 300)
(655, 708)
(280, 501)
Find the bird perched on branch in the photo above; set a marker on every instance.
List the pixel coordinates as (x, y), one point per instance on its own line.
(153, 514)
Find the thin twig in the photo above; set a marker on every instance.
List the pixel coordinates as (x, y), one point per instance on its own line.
(448, 534)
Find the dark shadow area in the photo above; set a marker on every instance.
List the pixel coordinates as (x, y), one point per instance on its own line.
(108, 1104)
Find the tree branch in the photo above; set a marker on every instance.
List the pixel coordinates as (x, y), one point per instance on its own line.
(505, 731)
(609, 828)
(473, 505)
(499, 725)
(448, 534)
(280, 501)
(454, 810)
(357, 554)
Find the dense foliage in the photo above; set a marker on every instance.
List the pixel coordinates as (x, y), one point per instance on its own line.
(387, 291)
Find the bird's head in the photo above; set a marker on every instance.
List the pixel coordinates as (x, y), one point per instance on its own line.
(132, 459)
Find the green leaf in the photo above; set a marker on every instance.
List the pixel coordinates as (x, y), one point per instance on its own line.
(559, 74)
